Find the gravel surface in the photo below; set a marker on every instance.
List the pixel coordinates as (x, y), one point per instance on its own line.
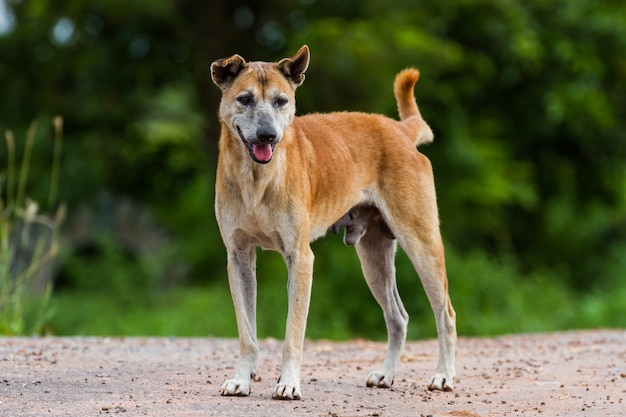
(580, 373)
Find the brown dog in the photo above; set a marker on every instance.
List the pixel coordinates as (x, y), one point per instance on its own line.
(283, 181)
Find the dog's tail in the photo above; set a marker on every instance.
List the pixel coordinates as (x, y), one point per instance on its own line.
(407, 106)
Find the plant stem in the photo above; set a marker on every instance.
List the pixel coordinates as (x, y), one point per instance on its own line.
(10, 199)
(56, 161)
(28, 149)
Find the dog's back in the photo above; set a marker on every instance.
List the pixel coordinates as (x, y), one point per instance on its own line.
(358, 127)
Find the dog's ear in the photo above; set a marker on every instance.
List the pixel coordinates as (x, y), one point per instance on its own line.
(293, 68)
(224, 71)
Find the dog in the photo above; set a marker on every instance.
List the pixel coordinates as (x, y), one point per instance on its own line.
(283, 181)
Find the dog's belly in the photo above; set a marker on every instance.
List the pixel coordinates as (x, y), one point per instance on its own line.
(327, 211)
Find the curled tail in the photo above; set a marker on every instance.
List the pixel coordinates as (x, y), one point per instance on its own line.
(407, 106)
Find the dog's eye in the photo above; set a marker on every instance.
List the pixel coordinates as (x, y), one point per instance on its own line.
(280, 101)
(245, 100)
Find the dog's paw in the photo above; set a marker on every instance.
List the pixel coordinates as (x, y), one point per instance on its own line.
(286, 392)
(441, 382)
(379, 379)
(236, 387)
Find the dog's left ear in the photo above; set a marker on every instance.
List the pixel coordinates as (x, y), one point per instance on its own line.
(293, 68)
(224, 71)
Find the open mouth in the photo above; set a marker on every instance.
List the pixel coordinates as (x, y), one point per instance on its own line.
(259, 152)
(262, 153)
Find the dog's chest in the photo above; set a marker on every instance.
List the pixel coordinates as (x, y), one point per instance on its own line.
(257, 216)
(261, 231)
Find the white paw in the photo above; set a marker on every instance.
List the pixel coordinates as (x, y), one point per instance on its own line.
(379, 379)
(237, 387)
(287, 392)
(441, 382)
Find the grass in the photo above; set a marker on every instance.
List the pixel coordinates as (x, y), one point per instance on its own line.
(491, 297)
(183, 311)
(29, 240)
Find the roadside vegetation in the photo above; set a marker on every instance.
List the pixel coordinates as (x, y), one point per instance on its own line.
(29, 239)
(526, 100)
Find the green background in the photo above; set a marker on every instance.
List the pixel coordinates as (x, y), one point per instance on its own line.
(527, 100)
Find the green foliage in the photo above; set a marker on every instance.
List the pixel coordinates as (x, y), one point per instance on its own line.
(111, 268)
(526, 100)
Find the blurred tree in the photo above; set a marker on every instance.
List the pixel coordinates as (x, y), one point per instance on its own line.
(526, 100)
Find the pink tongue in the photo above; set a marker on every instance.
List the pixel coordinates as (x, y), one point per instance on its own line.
(262, 152)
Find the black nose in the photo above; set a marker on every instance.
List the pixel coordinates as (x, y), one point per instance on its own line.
(266, 134)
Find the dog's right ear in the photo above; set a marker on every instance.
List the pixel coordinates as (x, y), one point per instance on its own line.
(293, 68)
(224, 71)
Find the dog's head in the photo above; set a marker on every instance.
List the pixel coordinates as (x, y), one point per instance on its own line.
(258, 99)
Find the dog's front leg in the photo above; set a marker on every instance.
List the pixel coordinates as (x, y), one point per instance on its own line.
(300, 266)
(242, 280)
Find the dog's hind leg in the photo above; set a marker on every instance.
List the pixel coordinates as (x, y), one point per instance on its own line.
(428, 260)
(243, 287)
(377, 252)
(415, 222)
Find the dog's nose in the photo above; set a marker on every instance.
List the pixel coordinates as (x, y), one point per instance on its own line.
(266, 134)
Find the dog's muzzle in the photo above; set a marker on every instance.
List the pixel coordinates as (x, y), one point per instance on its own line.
(261, 148)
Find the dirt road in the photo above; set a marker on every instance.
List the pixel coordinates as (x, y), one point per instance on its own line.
(561, 374)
